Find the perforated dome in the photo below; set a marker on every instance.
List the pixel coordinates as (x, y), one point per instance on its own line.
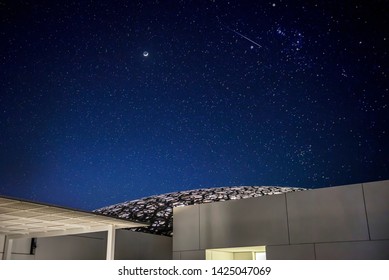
(158, 210)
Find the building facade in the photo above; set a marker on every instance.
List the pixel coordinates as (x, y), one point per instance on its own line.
(344, 222)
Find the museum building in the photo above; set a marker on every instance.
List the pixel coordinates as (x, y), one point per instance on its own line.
(237, 223)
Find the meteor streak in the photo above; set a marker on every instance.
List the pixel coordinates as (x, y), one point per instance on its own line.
(244, 37)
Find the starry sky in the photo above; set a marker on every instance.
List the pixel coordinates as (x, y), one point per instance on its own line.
(107, 101)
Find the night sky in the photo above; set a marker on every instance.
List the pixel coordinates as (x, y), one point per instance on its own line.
(107, 101)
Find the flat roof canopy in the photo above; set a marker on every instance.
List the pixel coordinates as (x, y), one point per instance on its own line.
(24, 219)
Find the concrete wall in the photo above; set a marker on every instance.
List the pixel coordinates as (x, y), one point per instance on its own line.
(243, 222)
(328, 214)
(345, 222)
(1, 246)
(72, 247)
(142, 246)
(20, 251)
(129, 245)
(189, 255)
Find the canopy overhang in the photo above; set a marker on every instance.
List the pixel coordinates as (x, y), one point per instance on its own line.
(26, 219)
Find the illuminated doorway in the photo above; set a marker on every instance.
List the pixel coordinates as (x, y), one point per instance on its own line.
(237, 253)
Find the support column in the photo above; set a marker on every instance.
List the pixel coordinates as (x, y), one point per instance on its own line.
(111, 242)
(7, 248)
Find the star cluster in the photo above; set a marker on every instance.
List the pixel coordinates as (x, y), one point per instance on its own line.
(291, 93)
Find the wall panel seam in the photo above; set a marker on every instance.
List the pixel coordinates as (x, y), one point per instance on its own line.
(367, 218)
(200, 250)
(287, 217)
(199, 223)
(314, 251)
(330, 241)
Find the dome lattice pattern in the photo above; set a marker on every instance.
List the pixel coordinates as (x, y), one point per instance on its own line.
(158, 210)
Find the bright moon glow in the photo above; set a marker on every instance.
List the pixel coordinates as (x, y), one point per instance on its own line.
(145, 54)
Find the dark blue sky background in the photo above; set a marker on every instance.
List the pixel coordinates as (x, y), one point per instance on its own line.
(290, 93)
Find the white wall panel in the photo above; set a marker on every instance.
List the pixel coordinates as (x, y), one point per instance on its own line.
(377, 207)
(290, 252)
(327, 215)
(360, 250)
(245, 222)
(2, 240)
(72, 247)
(186, 228)
(193, 255)
(142, 246)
